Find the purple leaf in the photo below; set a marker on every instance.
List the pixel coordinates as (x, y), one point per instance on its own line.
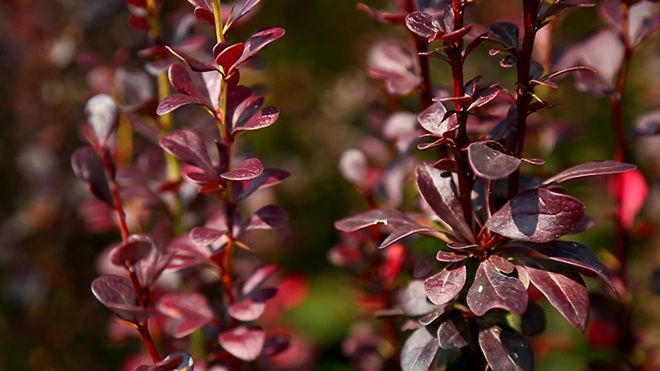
(424, 25)
(489, 163)
(180, 79)
(454, 333)
(263, 119)
(588, 169)
(268, 178)
(202, 236)
(138, 247)
(537, 215)
(247, 170)
(88, 166)
(449, 257)
(186, 312)
(258, 277)
(485, 96)
(419, 350)
(505, 32)
(506, 350)
(251, 307)
(402, 226)
(268, 217)
(243, 342)
(117, 294)
(433, 119)
(413, 299)
(438, 190)
(259, 40)
(102, 115)
(491, 289)
(533, 320)
(176, 101)
(574, 254)
(565, 290)
(189, 147)
(443, 287)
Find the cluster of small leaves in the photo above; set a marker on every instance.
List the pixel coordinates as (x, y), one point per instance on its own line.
(498, 245)
(226, 318)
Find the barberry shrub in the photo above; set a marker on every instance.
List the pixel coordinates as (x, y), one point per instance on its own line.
(193, 286)
(500, 232)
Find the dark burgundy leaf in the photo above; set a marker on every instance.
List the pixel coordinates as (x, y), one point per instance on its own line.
(506, 32)
(268, 178)
(413, 299)
(454, 333)
(490, 163)
(433, 119)
(443, 286)
(180, 79)
(533, 320)
(492, 289)
(537, 215)
(243, 342)
(419, 350)
(401, 232)
(88, 166)
(228, 57)
(247, 170)
(575, 254)
(438, 190)
(192, 62)
(455, 35)
(402, 226)
(588, 169)
(102, 115)
(189, 147)
(423, 24)
(268, 217)
(259, 40)
(506, 350)
(275, 345)
(263, 119)
(116, 293)
(565, 290)
(258, 277)
(175, 101)
(177, 361)
(202, 236)
(247, 7)
(186, 312)
(485, 96)
(449, 257)
(501, 264)
(138, 247)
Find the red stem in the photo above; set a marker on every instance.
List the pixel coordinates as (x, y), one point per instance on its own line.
(523, 89)
(115, 192)
(426, 89)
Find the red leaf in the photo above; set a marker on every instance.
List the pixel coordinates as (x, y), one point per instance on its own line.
(630, 191)
(189, 147)
(491, 289)
(186, 312)
(588, 169)
(138, 247)
(117, 294)
(247, 170)
(243, 342)
(442, 287)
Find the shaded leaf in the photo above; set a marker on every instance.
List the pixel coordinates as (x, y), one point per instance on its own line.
(419, 350)
(565, 290)
(189, 147)
(443, 286)
(533, 320)
(438, 190)
(88, 166)
(268, 217)
(258, 277)
(413, 299)
(506, 32)
(537, 215)
(454, 333)
(506, 350)
(116, 293)
(490, 163)
(492, 289)
(588, 169)
(138, 247)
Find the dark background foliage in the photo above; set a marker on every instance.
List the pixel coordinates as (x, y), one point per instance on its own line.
(48, 317)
